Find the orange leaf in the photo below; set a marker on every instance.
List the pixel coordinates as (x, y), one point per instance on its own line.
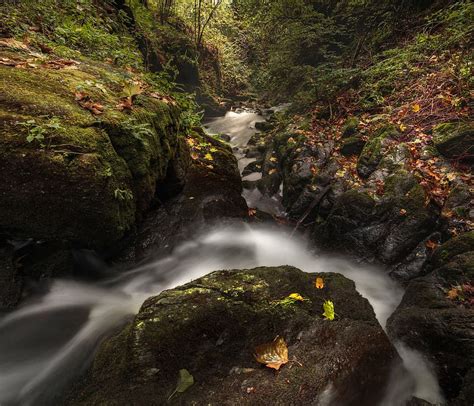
(319, 283)
(415, 108)
(274, 354)
(453, 293)
(431, 244)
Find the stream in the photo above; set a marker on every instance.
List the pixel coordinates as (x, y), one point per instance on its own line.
(51, 338)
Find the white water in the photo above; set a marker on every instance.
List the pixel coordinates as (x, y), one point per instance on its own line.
(49, 340)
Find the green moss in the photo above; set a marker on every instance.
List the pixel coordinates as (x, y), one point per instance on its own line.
(67, 184)
(372, 153)
(454, 140)
(350, 126)
(453, 247)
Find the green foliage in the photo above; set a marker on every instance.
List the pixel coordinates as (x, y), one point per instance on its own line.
(37, 131)
(123, 194)
(139, 130)
(72, 25)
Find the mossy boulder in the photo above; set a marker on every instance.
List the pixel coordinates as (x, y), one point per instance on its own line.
(372, 153)
(455, 140)
(211, 327)
(349, 127)
(352, 146)
(91, 177)
(438, 326)
(387, 229)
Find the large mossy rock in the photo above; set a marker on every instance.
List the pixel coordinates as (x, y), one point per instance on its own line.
(387, 229)
(439, 326)
(92, 176)
(455, 140)
(212, 325)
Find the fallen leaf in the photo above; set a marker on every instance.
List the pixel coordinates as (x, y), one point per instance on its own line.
(453, 293)
(297, 297)
(403, 212)
(272, 171)
(274, 354)
(125, 104)
(185, 381)
(273, 159)
(252, 212)
(431, 244)
(415, 108)
(319, 284)
(208, 157)
(328, 308)
(403, 127)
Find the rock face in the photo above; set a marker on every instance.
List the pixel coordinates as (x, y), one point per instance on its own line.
(212, 325)
(90, 177)
(439, 326)
(211, 193)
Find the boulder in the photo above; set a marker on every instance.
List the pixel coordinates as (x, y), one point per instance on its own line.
(455, 140)
(352, 146)
(350, 127)
(387, 228)
(211, 194)
(373, 151)
(91, 177)
(442, 326)
(211, 326)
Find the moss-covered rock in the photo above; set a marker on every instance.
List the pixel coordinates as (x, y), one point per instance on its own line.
(349, 127)
(352, 146)
(439, 326)
(455, 140)
(372, 153)
(212, 325)
(91, 176)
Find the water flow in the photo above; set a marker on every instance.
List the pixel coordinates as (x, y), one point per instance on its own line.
(45, 343)
(48, 341)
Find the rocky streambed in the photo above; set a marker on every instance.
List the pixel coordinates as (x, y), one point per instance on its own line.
(211, 326)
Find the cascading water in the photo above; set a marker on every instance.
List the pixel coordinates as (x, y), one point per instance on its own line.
(52, 338)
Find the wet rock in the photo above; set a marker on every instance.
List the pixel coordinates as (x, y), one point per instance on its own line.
(263, 125)
(440, 327)
(252, 167)
(413, 265)
(211, 327)
(212, 193)
(11, 283)
(455, 140)
(387, 229)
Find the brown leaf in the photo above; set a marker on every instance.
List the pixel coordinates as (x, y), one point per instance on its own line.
(125, 104)
(431, 244)
(252, 212)
(274, 354)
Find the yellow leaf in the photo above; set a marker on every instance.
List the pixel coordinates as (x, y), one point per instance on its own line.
(296, 296)
(403, 127)
(328, 308)
(272, 171)
(319, 283)
(208, 157)
(213, 149)
(273, 159)
(453, 293)
(274, 354)
(415, 108)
